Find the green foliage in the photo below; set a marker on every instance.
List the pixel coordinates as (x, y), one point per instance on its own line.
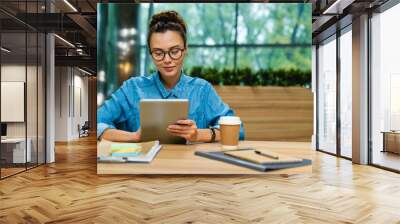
(246, 76)
(207, 74)
(264, 26)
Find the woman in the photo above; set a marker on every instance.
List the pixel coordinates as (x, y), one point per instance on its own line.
(167, 44)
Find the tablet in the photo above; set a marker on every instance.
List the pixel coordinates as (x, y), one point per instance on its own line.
(157, 114)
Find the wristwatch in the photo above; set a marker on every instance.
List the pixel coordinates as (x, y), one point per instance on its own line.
(212, 134)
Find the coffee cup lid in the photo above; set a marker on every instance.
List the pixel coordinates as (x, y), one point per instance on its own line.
(229, 120)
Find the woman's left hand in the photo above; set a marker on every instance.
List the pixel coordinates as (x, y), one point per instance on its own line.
(186, 129)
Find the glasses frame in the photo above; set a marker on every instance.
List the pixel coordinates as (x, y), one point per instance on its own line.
(168, 52)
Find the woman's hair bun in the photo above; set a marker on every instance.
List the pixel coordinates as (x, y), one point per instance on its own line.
(164, 21)
(168, 17)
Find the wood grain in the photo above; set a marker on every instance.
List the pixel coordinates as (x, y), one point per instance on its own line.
(70, 191)
(272, 113)
(180, 159)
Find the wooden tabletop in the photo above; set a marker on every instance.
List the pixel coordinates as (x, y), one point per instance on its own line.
(180, 159)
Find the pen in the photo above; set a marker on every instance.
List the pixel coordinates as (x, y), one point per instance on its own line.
(266, 155)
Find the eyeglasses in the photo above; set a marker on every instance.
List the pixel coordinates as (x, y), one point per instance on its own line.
(174, 53)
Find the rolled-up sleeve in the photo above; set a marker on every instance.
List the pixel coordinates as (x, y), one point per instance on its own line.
(111, 112)
(215, 108)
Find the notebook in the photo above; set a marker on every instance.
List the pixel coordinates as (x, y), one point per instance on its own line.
(130, 152)
(223, 157)
(263, 156)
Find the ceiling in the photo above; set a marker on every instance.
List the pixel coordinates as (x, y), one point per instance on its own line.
(73, 20)
(330, 15)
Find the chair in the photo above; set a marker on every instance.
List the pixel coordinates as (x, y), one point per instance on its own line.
(84, 130)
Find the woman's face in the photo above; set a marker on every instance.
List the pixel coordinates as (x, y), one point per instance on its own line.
(161, 44)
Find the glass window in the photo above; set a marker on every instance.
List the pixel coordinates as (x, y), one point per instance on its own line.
(22, 76)
(210, 56)
(41, 84)
(327, 96)
(15, 150)
(31, 97)
(269, 36)
(267, 23)
(385, 84)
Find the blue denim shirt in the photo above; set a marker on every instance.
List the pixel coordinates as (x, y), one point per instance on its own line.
(121, 110)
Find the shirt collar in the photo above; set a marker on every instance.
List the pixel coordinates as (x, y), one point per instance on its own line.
(178, 89)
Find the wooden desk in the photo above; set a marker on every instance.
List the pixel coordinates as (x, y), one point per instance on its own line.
(180, 159)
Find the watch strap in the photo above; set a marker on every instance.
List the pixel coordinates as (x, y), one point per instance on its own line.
(212, 134)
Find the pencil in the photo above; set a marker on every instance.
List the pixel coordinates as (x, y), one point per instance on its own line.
(266, 155)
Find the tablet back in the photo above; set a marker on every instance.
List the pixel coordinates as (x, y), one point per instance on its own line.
(157, 114)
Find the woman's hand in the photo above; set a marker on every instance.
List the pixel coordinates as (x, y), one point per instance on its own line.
(121, 136)
(136, 136)
(186, 129)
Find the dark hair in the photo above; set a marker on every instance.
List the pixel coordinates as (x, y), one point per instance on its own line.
(164, 21)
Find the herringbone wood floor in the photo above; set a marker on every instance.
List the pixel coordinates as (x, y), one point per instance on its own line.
(70, 191)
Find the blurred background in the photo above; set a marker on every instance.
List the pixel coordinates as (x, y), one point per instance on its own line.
(229, 44)
(257, 56)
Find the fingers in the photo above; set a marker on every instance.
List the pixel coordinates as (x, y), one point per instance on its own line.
(186, 122)
(183, 125)
(176, 131)
(184, 135)
(186, 129)
(179, 127)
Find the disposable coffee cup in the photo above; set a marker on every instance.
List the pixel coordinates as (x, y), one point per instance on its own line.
(230, 129)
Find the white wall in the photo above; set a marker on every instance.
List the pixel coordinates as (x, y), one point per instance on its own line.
(61, 103)
(80, 110)
(71, 94)
(14, 73)
(17, 73)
